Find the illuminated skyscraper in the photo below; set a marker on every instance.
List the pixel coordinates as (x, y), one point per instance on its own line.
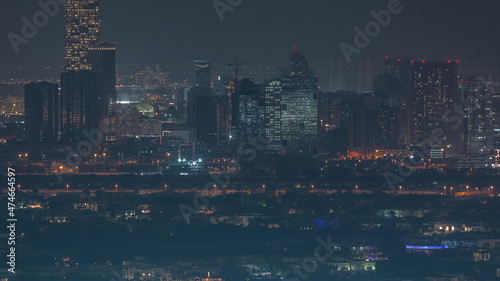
(480, 115)
(272, 113)
(79, 106)
(433, 94)
(251, 110)
(42, 112)
(299, 115)
(83, 28)
(291, 110)
(496, 112)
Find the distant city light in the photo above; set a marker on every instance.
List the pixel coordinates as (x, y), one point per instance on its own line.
(426, 247)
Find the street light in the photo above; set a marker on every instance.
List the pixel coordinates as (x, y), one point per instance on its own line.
(20, 159)
(27, 163)
(104, 167)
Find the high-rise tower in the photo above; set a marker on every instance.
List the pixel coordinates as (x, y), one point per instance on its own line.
(299, 66)
(102, 59)
(83, 28)
(79, 103)
(480, 115)
(42, 112)
(433, 94)
(202, 73)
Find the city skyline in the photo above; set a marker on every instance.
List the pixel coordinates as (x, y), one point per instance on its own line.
(370, 153)
(322, 45)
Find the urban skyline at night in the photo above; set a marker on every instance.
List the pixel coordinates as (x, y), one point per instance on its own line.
(238, 140)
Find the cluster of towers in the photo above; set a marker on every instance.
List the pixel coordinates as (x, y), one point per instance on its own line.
(411, 103)
(87, 84)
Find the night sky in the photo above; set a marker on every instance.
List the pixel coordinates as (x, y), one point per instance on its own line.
(155, 31)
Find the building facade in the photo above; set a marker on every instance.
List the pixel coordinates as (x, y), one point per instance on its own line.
(433, 95)
(83, 29)
(41, 112)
